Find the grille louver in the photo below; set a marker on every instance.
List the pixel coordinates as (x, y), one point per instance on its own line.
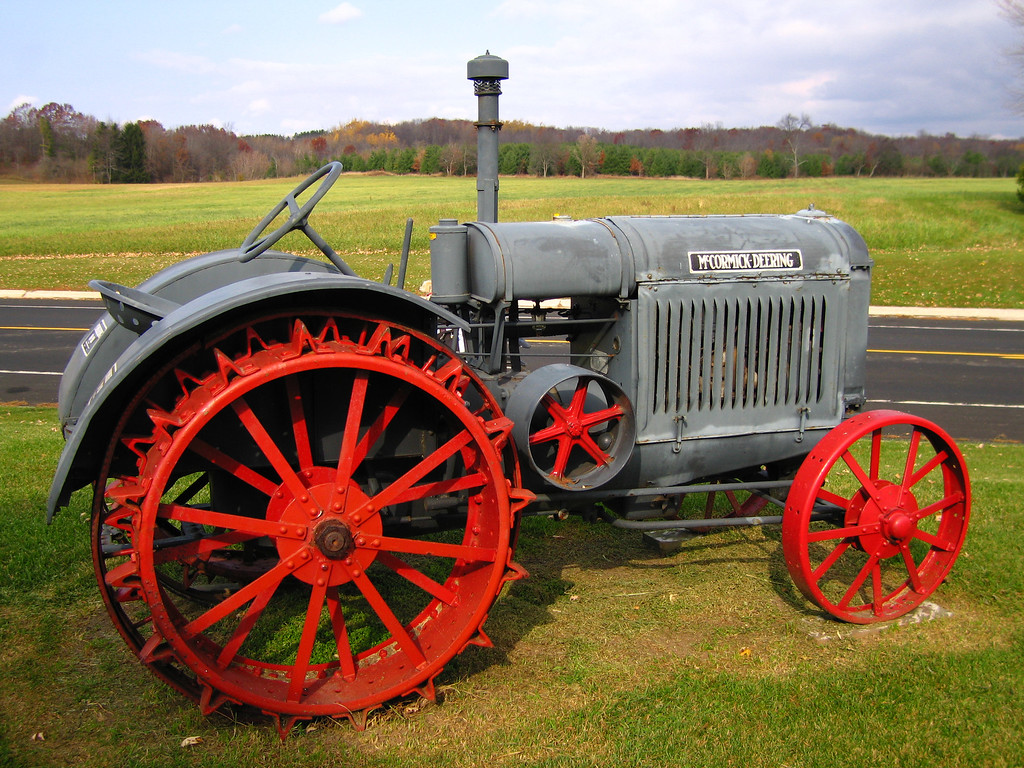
(719, 354)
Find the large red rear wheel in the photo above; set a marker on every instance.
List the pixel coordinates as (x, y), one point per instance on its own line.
(873, 525)
(310, 515)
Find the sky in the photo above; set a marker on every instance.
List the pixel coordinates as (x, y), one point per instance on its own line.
(894, 67)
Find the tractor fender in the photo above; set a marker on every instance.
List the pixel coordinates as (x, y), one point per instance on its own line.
(179, 283)
(87, 441)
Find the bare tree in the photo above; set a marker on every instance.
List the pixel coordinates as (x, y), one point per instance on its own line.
(706, 144)
(793, 128)
(1013, 12)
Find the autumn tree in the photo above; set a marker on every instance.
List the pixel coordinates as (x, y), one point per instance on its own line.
(587, 154)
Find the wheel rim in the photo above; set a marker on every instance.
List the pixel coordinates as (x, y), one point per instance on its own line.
(872, 526)
(251, 565)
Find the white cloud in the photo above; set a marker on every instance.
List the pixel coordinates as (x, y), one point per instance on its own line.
(341, 14)
(18, 101)
(179, 62)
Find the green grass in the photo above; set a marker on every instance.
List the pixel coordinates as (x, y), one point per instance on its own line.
(607, 655)
(936, 242)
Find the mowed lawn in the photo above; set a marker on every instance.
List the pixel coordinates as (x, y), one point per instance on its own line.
(936, 242)
(609, 654)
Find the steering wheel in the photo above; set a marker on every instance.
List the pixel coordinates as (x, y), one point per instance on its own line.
(256, 242)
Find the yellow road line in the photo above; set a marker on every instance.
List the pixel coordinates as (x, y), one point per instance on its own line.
(36, 328)
(1004, 356)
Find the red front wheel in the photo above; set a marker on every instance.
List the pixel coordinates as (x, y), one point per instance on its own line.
(875, 520)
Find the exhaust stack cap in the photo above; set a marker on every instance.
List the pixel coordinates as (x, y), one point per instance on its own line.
(487, 68)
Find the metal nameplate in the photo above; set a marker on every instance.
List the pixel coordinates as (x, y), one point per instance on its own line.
(746, 261)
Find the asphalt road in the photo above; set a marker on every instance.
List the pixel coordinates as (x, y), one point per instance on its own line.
(965, 375)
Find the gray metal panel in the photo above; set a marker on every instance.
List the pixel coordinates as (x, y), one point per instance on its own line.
(661, 244)
(739, 358)
(547, 260)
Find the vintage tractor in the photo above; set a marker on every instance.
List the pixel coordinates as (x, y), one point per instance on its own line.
(307, 485)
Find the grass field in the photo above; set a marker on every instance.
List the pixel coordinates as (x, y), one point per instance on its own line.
(936, 242)
(607, 655)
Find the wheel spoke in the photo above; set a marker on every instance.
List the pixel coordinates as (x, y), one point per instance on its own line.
(418, 578)
(912, 572)
(379, 426)
(939, 506)
(387, 616)
(470, 554)
(199, 548)
(877, 600)
(876, 453)
(866, 482)
(396, 489)
(842, 533)
(350, 435)
(300, 428)
(441, 488)
(908, 468)
(832, 498)
(308, 638)
(586, 442)
(858, 582)
(235, 601)
(595, 418)
(565, 446)
(250, 525)
(221, 460)
(934, 541)
(831, 560)
(252, 615)
(269, 448)
(930, 465)
(345, 659)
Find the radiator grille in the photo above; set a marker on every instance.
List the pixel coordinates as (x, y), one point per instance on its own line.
(718, 354)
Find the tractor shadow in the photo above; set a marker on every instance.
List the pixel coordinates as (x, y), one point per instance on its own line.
(578, 565)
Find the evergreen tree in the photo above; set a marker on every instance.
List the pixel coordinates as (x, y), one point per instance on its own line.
(131, 155)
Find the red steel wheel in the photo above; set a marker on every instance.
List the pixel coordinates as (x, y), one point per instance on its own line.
(873, 525)
(310, 516)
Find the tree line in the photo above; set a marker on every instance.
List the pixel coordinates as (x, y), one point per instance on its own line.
(56, 142)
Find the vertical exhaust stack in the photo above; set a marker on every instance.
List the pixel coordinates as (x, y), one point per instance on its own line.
(487, 72)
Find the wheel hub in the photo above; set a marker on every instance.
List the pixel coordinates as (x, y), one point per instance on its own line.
(898, 526)
(337, 541)
(334, 539)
